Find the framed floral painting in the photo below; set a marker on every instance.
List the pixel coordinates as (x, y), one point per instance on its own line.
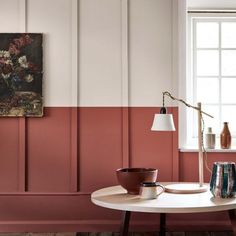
(21, 62)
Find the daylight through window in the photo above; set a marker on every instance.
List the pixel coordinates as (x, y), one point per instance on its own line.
(212, 71)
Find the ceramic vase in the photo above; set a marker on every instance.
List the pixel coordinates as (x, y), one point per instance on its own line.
(225, 137)
(223, 180)
(210, 139)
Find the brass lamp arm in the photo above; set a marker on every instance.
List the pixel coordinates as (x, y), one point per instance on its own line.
(185, 103)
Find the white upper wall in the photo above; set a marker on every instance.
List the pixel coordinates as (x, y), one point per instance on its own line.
(121, 55)
(53, 18)
(101, 51)
(10, 16)
(211, 4)
(150, 50)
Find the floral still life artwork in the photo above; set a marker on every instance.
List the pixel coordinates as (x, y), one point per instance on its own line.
(21, 56)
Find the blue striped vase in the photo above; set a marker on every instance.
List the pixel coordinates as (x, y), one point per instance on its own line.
(223, 180)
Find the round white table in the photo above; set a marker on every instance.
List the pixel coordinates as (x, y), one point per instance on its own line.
(117, 198)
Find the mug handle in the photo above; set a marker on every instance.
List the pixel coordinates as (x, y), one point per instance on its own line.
(163, 189)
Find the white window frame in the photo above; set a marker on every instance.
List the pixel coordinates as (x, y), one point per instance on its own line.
(191, 139)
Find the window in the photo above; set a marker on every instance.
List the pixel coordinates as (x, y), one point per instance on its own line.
(212, 72)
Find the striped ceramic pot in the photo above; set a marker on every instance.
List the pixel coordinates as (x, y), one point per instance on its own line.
(223, 180)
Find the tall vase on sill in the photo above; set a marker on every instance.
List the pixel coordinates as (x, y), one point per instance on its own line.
(225, 137)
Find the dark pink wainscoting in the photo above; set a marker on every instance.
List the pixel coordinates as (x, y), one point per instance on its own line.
(10, 155)
(49, 152)
(100, 147)
(188, 160)
(49, 166)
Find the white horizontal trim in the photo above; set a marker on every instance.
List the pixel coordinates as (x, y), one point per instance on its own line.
(214, 76)
(194, 149)
(215, 11)
(217, 48)
(217, 104)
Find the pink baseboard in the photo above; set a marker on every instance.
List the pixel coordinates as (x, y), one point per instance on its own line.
(109, 226)
(75, 212)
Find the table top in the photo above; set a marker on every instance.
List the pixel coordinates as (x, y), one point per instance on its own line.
(116, 197)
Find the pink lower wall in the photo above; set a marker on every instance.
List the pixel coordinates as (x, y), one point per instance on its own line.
(191, 159)
(49, 166)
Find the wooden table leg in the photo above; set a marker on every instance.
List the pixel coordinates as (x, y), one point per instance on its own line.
(233, 220)
(124, 228)
(162, 224)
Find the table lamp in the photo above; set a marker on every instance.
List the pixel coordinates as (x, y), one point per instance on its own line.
(164, 122)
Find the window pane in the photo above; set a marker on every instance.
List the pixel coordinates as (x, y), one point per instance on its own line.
(208, 121)
(228, 86)
(229, 115)
(228, 34)
(207, 35)
(207, 62)
(204, 85)
(211, 122)
(228, 63)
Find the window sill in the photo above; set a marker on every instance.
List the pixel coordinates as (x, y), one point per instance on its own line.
(194, 149)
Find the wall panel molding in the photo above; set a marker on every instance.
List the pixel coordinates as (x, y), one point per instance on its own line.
(23, 16)
(74, 181)
(74, 52)
(74, 168)
(22, 169)
(22, 161)
(125, 81)
(181, 58)
(125, 52)
(175, 150)
(125, 137)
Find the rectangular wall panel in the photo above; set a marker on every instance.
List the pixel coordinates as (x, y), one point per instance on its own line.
(9, 157)
(100, 53)
(100, 146)
(53, 19)
(10, 15)
(150, 51)
(48, 151)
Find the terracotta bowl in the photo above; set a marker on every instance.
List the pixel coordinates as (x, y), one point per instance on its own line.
(131, 178)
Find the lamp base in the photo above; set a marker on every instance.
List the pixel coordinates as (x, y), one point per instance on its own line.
(186, 188)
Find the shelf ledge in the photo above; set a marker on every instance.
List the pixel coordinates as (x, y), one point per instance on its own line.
(194, 149)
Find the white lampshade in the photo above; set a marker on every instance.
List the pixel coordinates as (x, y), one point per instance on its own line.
(163, 122)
